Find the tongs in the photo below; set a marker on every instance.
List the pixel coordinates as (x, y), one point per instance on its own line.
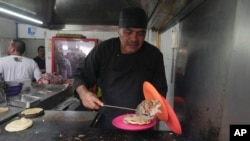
(137, 111)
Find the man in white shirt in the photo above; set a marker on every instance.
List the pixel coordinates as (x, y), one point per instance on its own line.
(17, 67)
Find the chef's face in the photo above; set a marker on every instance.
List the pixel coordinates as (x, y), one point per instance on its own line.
(131, 39)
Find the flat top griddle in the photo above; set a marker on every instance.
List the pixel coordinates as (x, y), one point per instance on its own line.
(73, 126)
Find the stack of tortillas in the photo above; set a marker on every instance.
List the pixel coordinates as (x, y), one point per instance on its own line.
(3, 109)
(134, 119)
(18, 125)
(148, 108)
(32, 112)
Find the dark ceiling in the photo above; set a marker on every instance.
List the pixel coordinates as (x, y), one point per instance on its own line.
(97, 14)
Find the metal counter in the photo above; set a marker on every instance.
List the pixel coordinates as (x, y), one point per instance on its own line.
(12, 112)
(50, 96)
(74, 126)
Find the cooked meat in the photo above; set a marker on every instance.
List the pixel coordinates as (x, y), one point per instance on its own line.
(149, 107)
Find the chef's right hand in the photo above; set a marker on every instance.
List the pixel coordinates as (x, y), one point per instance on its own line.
(88, 98)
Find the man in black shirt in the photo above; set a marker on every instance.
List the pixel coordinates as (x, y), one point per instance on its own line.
(40, 59)
(120, 66)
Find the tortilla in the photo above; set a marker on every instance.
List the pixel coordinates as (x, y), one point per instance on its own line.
(3, 109)
(32, 112)
(19, 125)
(134, 119)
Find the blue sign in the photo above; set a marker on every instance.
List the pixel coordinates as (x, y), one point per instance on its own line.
(31, 31)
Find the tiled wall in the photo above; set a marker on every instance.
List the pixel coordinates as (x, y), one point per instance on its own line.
(7, 32)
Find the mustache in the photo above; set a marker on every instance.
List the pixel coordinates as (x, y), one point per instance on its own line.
(133, 43)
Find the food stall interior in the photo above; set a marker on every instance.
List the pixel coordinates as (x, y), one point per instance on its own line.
(209, 64)
(61, 121)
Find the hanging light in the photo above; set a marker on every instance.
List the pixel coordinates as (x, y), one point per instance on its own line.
(20, 16)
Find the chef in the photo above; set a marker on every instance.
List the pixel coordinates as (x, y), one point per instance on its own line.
(121, 65)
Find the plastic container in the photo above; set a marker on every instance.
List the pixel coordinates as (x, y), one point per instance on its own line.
(13, 88)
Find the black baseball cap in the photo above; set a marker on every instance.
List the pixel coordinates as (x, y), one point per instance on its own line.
(133, 17)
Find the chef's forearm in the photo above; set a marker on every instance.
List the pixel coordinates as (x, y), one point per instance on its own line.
(77, 85)
(82, 89)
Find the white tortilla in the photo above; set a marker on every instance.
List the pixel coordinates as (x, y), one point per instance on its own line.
(32, 111)
(3, 109)
(18, 125)
(134, 119)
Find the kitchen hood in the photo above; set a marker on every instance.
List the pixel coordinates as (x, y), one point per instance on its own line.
(96, 14)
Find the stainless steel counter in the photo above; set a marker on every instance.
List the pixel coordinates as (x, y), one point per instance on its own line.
(13, 111)
(49, 95)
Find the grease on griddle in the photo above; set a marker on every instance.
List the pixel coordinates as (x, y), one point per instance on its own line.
(79, 137)
(117, 135)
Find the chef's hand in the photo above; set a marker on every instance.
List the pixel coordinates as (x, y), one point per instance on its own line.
(88, 98)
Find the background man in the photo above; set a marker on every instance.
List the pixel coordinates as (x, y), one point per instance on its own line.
(40, 59)
(17, 67)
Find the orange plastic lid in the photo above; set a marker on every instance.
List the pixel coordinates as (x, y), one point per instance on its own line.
(168, 115)
(172, 122)
(150, 93)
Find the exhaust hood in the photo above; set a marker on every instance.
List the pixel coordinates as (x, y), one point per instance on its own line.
(96, 14)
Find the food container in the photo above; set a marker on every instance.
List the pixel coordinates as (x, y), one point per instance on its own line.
(13, 88)
(25, 101)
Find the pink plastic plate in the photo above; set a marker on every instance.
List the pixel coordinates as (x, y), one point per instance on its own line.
(118, 122)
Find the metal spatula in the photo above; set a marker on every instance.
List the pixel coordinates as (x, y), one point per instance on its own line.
(119, 107)
(137, 111)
